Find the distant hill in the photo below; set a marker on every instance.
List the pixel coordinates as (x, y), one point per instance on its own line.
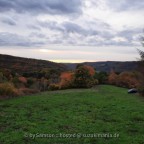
(108, 66)
(21, 65)
(24, 65)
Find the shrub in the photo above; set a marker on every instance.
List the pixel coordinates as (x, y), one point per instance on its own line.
(141, 90)
(6, 74)
(96, 82)
(8, 89)
(102, 77)
(127, 79)
(22, 79)
(53, 87)
(30, 81)
(124, 79)
(43, 84)
(112, 78)
(141, 85)
(2, 78)
(26, 91)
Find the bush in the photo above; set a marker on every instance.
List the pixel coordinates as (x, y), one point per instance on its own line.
(141, 90)
(43, 84)
(53, 87)
(2, 78)
(140, 78)
(26, 91)
(22, 79)
(19, 82)
(30, 81)
(16, 82)
(124, 79)
(8, 89)
(128, 80)
(96, 82)
(102, 77)
(112, 78)
(6, 73)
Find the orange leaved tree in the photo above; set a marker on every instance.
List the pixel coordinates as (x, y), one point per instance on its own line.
(112, 78)
(66, 80)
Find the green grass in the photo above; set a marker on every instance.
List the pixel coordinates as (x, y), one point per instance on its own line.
(105, 109)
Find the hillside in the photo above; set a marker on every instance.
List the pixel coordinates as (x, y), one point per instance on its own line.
(108, 66)
(20, 65)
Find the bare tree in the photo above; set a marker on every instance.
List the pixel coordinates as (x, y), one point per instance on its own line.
(141, 67)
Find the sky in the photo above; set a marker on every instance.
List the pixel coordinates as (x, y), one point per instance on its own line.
(72, 30)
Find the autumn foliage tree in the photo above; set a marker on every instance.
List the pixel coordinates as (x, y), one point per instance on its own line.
(124, 79)
(112, 78)
(90, 69)
(84, 77)
(127, 79)
(66, 80)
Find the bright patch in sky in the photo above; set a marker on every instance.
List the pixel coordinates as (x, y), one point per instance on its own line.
(44, 50)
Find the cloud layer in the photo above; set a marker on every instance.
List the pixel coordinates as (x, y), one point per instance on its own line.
(43, 23)
(41, 6)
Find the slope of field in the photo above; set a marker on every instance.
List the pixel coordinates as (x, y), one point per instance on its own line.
(81, 113)
(20, 65)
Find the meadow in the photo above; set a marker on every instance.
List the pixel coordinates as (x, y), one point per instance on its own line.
(101, 115)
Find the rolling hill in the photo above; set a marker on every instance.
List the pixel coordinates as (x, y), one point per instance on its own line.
(107, 66)
(20, 65)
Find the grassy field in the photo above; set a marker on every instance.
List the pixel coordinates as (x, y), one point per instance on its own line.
(101, 115)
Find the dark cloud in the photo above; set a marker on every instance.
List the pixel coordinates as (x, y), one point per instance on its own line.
(8, 21)
(96, 28)
(41, 6)
(10, 39)
(37, 35)
(34, 27)
(117, 43)
(101, 34)
(65, 27)
(52, 25)
(77, 31)
(74, 28)
(95, 36)
(68, 27)
(92, 28)
(129, 33)
(125, 38)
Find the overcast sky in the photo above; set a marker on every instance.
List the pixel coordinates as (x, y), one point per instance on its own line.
(72, 30)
